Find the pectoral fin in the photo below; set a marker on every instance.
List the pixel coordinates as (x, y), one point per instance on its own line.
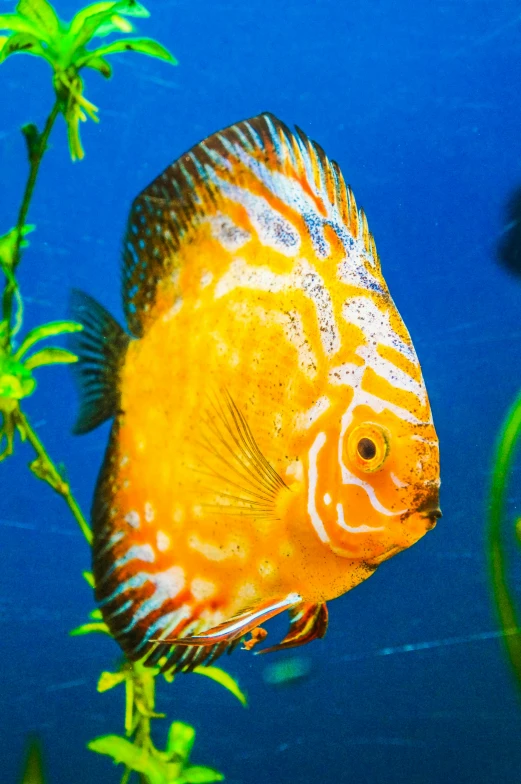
(307, 622)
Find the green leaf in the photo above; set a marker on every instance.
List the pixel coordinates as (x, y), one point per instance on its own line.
(89, 577)
(89, 628)
(125, 9)
(8, 245)
(117, 24)
(98, 64)
(96, 22)
(44, 331)
(88, 30)
(41, 13)
(226, 680)
(135, 758)
(169, 677)
(19, 24)
(50, 356)
(181, 738)
(90, 10)
(22, 43)
(198, 774)
(142, 45)
(110, 679)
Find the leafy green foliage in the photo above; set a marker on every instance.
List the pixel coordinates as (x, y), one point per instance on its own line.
(226, 680)
(171, 766)
(16, 378)
(36, 29)
(88, 628)
(10, 243)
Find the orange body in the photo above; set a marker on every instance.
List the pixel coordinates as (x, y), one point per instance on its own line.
(274, 436)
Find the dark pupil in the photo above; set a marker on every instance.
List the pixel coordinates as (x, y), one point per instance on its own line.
(366, 448)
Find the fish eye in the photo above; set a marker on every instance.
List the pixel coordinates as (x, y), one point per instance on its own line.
(368, 447)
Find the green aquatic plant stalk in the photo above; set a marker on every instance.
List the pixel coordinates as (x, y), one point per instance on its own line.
(44, 468)
(36, 150)
(36, 29)
(507, 443)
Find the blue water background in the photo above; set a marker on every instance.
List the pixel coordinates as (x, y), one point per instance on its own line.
(419, 102)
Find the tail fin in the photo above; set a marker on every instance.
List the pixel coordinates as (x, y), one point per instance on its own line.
(101, 348)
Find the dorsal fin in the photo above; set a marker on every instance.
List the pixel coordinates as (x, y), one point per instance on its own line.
(260, 154)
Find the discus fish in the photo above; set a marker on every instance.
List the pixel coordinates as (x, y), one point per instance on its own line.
(272, 441)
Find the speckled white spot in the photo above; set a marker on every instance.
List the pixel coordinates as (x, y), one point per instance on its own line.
(225, 231)
(202, 589)
(206, 279)
(133, 519)
(327, 499)
(149, 512)
(174, 310)
(266, 568)
(163, 541)
(140, 552)
(170, 582)
(348, 374)
(233, 548)
(295, 470)
(247, 592)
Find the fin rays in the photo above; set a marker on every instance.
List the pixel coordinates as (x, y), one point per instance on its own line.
(101, 348)
(247, 482)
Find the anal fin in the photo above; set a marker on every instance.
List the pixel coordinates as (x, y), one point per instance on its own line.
(307, 622)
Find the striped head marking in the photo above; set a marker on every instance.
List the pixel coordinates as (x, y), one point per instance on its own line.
(373, 465)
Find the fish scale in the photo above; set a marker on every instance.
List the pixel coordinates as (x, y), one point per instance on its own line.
(272, 440)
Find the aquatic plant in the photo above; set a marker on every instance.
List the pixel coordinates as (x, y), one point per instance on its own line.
(35, 28)
(507, 444)
(33, 764)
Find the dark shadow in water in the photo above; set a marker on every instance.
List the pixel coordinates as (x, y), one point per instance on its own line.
(509, 245)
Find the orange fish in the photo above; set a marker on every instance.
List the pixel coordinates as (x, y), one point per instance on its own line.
(272, 440)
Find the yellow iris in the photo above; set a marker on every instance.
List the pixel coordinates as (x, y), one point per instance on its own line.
(368, 447)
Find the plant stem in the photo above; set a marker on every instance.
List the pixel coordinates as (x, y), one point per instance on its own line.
(44, 469)
(35, 159)
(140, 707)
(505, 451)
